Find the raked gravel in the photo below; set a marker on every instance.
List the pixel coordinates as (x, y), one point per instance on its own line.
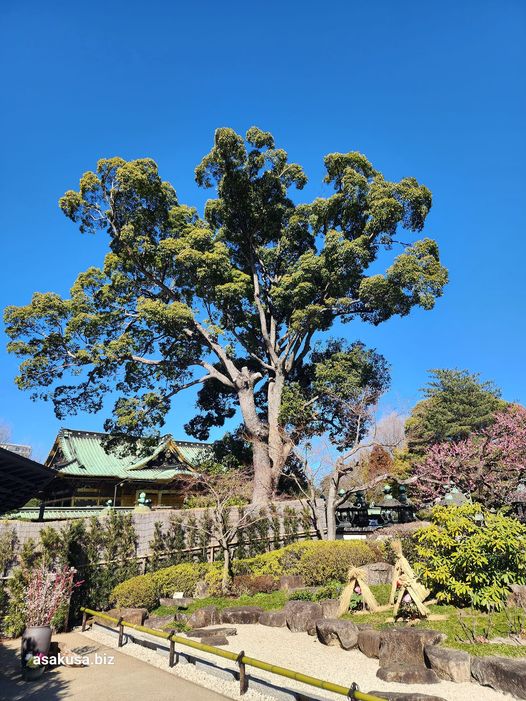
(302, 653)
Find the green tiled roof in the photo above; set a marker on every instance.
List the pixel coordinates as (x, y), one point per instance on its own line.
(84, 454)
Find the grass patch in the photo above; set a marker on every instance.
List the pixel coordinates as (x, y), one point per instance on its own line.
(498, 624)
(269, 602)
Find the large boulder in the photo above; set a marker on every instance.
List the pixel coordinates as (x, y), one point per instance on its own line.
(407, 674)
(379, 572)
(452, 665)
(403, 696)
(330, 608)
(241, 614)
(207, 616)
(501, 673)
(517, 596)
(130, 615)
(405, 646)
(302, 616)
(335, 631)
(275, 619)
(369, 642)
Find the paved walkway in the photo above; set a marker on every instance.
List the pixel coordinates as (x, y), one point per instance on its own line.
(127, 678)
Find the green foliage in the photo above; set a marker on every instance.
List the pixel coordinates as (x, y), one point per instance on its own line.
(319, 562)
(137, 592)
(269, 602)
(466, 562)
(331, 590)
(177, 287)
(457, 403)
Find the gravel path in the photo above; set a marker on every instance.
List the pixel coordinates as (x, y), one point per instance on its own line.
(303, 653)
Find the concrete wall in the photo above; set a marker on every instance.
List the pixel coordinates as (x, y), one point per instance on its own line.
(144, 523)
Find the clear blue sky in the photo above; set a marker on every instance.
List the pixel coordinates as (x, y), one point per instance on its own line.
(433, 90)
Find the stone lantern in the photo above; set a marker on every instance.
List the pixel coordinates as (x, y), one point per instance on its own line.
(407, 510)
(453, 498)
(389, 507)
(518, 502)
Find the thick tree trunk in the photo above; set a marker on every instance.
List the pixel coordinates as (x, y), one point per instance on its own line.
(263, 488)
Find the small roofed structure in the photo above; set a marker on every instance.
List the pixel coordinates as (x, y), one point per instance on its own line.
(91, 472)
(21, 479)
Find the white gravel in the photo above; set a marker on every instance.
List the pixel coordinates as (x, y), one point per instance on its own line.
(302, 653)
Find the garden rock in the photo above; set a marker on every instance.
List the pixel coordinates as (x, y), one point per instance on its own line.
(241, 614)
(378, 573)
(369, 642)
(160, 622)
(407, 674)
(207, 616)
(405, 646)
(291, 581)
(402, 696)
(452, 665)
(182, 602)
(330, 608)
(517, 596)
(275, 619)
(334, 631)
(501, 673)
(215, 640)
(302, 616)
(130, 615)
(211, 632)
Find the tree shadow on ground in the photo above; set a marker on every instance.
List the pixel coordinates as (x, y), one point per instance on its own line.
(49, 687)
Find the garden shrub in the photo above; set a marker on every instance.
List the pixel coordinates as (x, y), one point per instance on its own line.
(137, 592)
(469, 562)
(181, 577)
(213, 579)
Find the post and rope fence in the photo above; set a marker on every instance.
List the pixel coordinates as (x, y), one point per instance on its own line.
(240, 659)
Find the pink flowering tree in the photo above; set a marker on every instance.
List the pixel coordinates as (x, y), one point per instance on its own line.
(47, 593)
(488, 465)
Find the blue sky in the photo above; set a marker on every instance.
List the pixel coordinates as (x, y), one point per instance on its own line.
(433, 90)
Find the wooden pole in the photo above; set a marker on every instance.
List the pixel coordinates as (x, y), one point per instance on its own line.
(84, 619)
(121, 632)
(243, 678)
(171, 658)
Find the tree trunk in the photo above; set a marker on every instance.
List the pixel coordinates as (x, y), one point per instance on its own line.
(263, 488)
(331, 511)
(227, 569)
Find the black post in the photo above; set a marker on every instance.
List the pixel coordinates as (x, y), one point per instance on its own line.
(84, 619)
(243, 679)
(41, 510)
(121, 631)
(171, 658)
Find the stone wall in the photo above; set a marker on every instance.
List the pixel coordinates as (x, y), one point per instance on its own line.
(144, 523)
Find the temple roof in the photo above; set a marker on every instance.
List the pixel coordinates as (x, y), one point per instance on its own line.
(83, 454)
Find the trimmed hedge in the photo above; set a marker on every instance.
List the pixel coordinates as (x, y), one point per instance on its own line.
(318, 562)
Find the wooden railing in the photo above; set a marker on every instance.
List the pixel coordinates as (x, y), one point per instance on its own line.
(240, 659)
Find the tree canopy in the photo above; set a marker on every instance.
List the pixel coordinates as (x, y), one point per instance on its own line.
(229, 301)
(457, 403)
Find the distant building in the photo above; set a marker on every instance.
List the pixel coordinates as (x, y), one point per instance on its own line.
(89, 473)
(23, 450)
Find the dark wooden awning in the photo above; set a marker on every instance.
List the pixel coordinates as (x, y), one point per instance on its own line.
(21, 479)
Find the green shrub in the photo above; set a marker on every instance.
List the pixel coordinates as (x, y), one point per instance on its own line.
(467, 560)
(181, 577)
(137, 592)
(302, 595)
(323, 563)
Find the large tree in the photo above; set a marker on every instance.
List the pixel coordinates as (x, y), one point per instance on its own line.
(231, 300)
